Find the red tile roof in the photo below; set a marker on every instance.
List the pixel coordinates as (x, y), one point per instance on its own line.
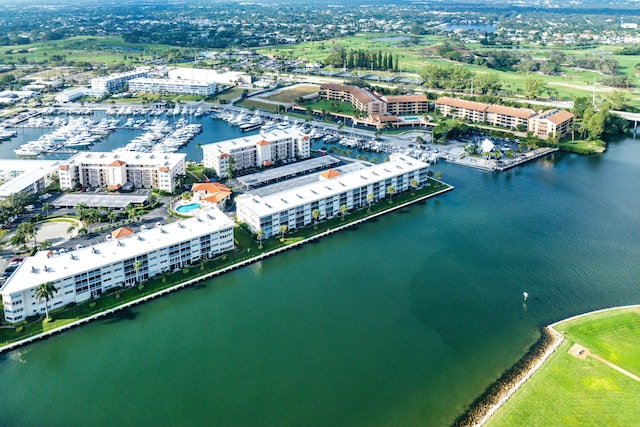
(330, 173)
(117, 163)
(122, 232)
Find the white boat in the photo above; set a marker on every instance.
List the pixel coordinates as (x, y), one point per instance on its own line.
(27, 151)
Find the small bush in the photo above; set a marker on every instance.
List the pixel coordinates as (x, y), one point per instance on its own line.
(19, 329)
(92, 304)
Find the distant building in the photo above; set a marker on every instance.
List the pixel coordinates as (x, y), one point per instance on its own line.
(294, 207)
(114, 82)
(365, 100)
(175, 86)
(26, 176)
(125, 260)
(220, 77)
(556, 123)
(71, 95)
(479, 112)
(256, 150)
(552, 123)
(116, 170)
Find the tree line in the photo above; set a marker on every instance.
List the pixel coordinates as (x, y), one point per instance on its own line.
(362, 59)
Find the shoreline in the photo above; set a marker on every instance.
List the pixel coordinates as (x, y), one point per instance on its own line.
(510, 381)
(46, 334)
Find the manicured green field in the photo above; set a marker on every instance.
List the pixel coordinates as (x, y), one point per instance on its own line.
(613, 335)
(568, 391)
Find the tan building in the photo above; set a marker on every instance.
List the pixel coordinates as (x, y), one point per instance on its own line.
(552, 123)
(114, 170)
(374, 105)
(556, 123)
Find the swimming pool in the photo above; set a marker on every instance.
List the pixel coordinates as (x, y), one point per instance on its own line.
(187, 208)
(410, 119)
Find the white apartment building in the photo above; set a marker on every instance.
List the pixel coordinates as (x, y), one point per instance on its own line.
(113, 170)
(256, 150)
(177, 86)
(88, 272)
(114, 82)
(26, 176)
(220, 77)
(293, 208)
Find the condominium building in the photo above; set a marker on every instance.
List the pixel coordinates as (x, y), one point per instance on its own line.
(293, 208)
(479, 112)
(256, 150)
(127, 259)
(365, 100)
(113, 170)
(552, 123)
(221, 77)
(556, 123)
(177, 86)
(114, 82)
(26, 176)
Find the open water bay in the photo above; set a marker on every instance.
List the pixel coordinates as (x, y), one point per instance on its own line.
(400, 321)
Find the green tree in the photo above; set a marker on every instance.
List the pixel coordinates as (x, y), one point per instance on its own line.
(259, 235)
(29, 231)
(532, 86)
(45, 291)
(46, 206)
(414, 184)
(283, 230)
(315, 214)
(343, 211)
(369, 201)
(231, 167)
(390, 190)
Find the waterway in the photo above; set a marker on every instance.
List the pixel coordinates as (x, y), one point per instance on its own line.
(400, 321)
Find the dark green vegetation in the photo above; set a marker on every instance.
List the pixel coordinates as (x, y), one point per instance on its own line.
(247, 246)
(569, 391)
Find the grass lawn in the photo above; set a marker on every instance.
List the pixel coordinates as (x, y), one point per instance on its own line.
(568, 391)
(583, 146)
(613, 335)
(252, 103)
(290, 95)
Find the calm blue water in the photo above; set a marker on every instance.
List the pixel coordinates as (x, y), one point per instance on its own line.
(400, 321)
(213, 130)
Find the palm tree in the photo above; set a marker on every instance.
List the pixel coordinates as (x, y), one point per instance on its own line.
(71, 228)
(46, 206)
(111, 216)
(283, 230)
(414, 184)
(259, 235)
(438, 175)
(45, 245)
(45, 291)
(390, 190)
(28, 230)
(80, 209)
(369, 201)
(137, 264)
(315, 214)
(343, 211)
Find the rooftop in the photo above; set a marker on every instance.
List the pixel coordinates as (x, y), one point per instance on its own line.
(319, 190)
(44, 266)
